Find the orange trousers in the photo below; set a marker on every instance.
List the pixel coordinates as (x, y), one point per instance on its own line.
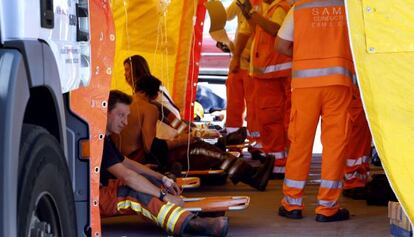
(240, 96)
(359, 147)
(237, 91)
(118, 199)
(270, 100)
(331, 103)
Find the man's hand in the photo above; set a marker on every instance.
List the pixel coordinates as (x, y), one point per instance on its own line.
(171, 186)
(177, 200)
(245, 8)
(234, 64)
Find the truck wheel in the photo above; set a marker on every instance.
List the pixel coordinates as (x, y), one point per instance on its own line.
(45, 197)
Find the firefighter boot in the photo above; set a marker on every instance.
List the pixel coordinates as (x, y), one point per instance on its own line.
(228, 160)
(255, 177)
(217, 226)
(234, 138)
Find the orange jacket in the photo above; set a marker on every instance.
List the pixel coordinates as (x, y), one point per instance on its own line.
(266, 62)
(321, 52)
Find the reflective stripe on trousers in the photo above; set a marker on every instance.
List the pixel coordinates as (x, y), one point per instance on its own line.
(326, 203)
(355, 162)
(355, 175)
(294, 201)
(278, 155)
(331, 184)
(294, 183)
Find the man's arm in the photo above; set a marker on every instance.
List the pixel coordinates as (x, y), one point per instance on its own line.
(144, 170)
(284, 46)
(141, 169)
(231, 11)
(284, 40)
(241, 42)
(139, 183)
(267, 25)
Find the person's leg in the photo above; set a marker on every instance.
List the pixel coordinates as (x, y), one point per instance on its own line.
(200, 156)
(334, 137)
(235, 100)
(359, 147)
(303, 122)
(248, 94)
(358, 151)
(252, 123)
(287, 106)
(270, 117)
(119, 199)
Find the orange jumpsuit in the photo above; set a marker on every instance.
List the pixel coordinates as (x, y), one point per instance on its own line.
(271, 71)
(322, 73)
(236, 92)
(238, 88)
(359, 146)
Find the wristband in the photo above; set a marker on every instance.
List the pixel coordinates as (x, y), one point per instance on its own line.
(162, 195)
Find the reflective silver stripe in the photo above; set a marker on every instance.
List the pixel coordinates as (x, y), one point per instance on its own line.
(355, 175)
(319, 72)
(231, 129)
(175, 122)
(255, 134)
(326, 203)
(330, 184)
(182, 127)
(258, 145)
(293, 201)
(294, 183)
(359, 161)
(279, 169)
(328, 3)
(137, 208)
(273, 68)
(163, 213)
(278, 155)
(172, 220)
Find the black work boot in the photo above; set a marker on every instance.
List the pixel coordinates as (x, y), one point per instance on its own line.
(217, 226)
(234, 138)
(255, 177)
(359, 193)
(237, 137)
(341, 215)
(263, 173)
(228, 161)
(294, 214)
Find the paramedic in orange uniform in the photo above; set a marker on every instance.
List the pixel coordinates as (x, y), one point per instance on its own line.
(128, 187)
(270, 72)
(358, 151)
(237, 87)
(316, 35)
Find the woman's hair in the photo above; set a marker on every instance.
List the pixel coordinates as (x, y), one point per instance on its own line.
(149, 85)
(116, 96)
(139, 68)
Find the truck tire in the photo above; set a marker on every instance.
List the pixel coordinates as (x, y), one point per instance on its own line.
(45, 197)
